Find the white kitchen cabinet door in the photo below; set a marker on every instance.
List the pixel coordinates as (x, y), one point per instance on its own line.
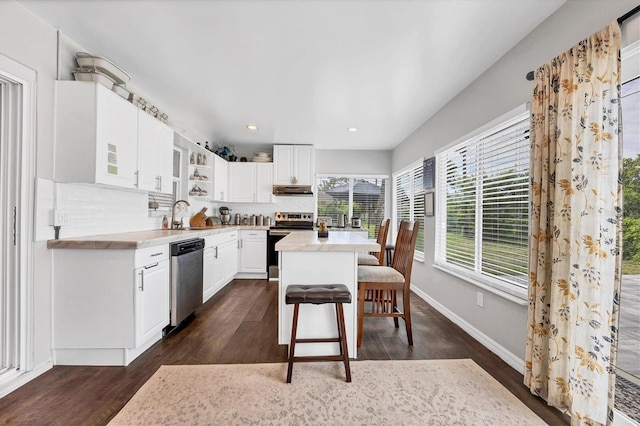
(250, 182)
(294, 165)
(264, 182)
(304, 162)
(253, 252)
(220, 179)
(228, 257)
(209, 278)
(283, 164)
(155, 153)
(242, 182)
(152, 300)
(95, 135)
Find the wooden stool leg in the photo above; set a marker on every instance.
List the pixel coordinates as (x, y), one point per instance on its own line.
(292, 346)
(339, 329)
(343, 341)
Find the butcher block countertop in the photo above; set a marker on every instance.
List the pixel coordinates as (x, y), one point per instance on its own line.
(337, 241)
(142, 239)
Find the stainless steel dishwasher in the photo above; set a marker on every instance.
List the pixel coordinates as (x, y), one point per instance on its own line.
(186, 278)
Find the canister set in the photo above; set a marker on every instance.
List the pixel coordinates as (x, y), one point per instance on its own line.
(252, 220)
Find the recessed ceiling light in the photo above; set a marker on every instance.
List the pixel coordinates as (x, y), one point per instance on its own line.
(352, 129)
(252, 127)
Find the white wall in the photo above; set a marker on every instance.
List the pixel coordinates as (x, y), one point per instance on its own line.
(500, 89)
(353, 162)
(28, 40)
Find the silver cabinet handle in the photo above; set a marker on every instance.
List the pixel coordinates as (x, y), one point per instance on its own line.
(156, 254)
(151, 266)
(216, 252)
(141, 280)
(137, 175)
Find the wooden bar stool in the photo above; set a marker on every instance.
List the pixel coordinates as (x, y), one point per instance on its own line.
(319, 294)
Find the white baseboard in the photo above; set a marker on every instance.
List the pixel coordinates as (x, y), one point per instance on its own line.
(22, 379)
(504, 354)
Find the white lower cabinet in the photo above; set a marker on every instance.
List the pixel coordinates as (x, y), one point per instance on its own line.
(220, 262)
(152, 300)
(252, 262)
(109, 306)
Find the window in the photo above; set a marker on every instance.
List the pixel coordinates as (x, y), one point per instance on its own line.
(408, 201)
(483, 206)
(363, 197)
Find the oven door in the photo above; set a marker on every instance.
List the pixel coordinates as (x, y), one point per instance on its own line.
(275, 235)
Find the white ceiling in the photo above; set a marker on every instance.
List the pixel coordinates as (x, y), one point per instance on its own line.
(303, 71)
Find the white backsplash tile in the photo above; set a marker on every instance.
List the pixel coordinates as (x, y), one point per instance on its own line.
(95, 210)
(281, 204)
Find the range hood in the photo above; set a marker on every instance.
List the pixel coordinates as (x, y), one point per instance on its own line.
(299, 190)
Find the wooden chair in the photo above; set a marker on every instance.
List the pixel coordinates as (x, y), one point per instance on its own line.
(377, 259)
(380, 283)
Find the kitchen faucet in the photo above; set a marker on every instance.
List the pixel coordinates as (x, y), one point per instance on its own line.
(175, 224)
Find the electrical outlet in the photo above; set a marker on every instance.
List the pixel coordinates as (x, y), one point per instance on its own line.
(60, 217)
(480, 299)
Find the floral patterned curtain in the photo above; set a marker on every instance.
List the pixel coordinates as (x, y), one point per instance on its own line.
(574, 272)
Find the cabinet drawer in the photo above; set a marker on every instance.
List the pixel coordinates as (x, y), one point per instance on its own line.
(149, 255)
(254, 235)
(217, 239)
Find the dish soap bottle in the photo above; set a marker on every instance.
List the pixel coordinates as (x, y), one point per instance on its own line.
(165, 222)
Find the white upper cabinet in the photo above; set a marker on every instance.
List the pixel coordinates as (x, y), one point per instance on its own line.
(155, 148)
(242, 182)
(264, 182)
(220, 179)
(250, 182)
(294, 164)
(101, 138)
(96, 135)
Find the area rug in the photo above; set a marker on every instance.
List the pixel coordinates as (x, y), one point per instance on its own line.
(433, 392)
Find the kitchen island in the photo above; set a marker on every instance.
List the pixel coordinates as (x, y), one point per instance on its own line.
(306, 259)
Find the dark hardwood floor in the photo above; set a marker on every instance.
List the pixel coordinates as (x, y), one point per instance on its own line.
(238, 325)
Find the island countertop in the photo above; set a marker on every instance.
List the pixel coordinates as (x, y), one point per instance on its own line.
(337, 241)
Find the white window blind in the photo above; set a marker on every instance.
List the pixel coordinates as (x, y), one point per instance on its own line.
(483, 206)
(409, 201)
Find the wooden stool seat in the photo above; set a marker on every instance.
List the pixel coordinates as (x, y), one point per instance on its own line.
(319, 294)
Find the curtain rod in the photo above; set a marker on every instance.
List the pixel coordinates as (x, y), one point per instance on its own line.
(629, 14)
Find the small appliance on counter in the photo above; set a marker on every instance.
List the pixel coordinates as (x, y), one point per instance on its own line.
(225, 215)
(342, 220)
(326, 220)
(355, 222)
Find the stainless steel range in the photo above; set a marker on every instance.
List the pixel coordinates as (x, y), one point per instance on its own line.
(285, 223)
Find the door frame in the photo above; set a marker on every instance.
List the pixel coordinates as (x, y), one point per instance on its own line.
(25, 156)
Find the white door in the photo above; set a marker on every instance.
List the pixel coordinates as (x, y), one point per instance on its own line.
(228, 258)
(116, 139)
(209, 278)
(155, 145)
(283, 164)
(264, 182)
(17, 172)
(152, 300)
(253, 251)
(242, 182)
(220, 179)
(304, 164)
